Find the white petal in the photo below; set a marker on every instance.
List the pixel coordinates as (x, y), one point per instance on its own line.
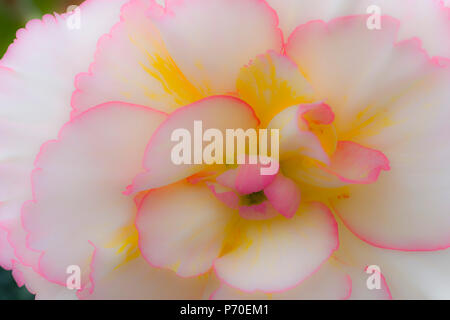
(390, 97)
(42, 288)
(132, 65)
(203, 36)
(114, 278)
(409, 275)
(426, 19)
(280, 253)
(36, 83)
(330, 282)
(182, 227)
(78, 185)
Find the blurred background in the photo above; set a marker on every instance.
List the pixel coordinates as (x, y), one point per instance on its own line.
(13, 15)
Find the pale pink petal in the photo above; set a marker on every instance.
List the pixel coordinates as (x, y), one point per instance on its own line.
(78, 184)
(132, 65)
(350, 81)
(115, 278)
(224, 194)
(206, 50)
(17, 238)
(408, 207)
(228, 178)
(280, 253)
(353, 163)
(318, 113)
(39, 286)
(389, 96)
(271, 83)
(330, 282)
(182, 227)
(363, 86)
(249, 178)
(367, 267)
(216, 112)
(360, 289)
(426, 19)
(284, 195)
(296, 138)
(261, 211)
(409, 275)
(35, 91)
(7, 256)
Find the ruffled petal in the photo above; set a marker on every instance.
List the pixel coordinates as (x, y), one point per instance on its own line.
(330, 282)
(360, 277)
(305, 131)
(261, 211)
(278, 254)
(132, 65)
(78, 184)
(425, 19)
(7, 256)
(221, 26)
(351, 163)
(249, 178)
(355, 83)
(182, 227)
(216, 112)
(272, 83)
(35, 91)
(284, 195)
(391, 97)
(113, 277)
(225, 194)
(39, 286)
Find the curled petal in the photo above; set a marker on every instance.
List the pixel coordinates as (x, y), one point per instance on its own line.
(279, 253)
(249, 178)
(132, 65)
(34, 94)
(353, 163)
(393, 97)
(261, 211)
(284, 195)
(217, 112)
(114, 277)
(330, 282)
(104, 144)
(305, 131)
(7, 253)
(225, 194)
(182, 227)
(271, 83)
(360, 289)
(427, 20)
(39, 286)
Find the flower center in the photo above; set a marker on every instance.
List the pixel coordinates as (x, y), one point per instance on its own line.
(252, 198)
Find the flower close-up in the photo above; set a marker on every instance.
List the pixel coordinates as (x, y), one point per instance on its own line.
(228, 149)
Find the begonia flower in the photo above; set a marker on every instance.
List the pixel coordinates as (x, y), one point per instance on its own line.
(362, 179)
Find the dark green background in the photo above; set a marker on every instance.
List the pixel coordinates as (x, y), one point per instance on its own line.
(13, 16)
